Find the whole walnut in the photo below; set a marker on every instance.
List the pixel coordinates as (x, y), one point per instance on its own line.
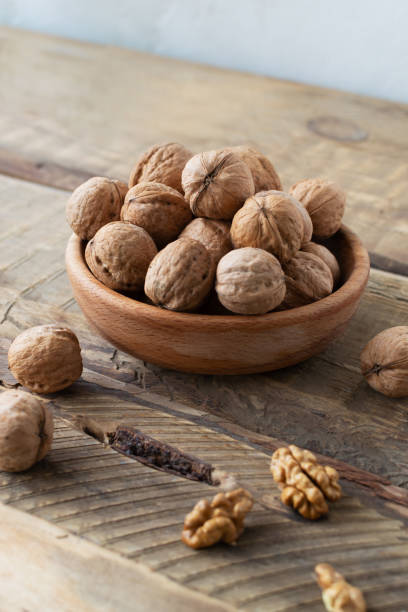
(216, 184)
(162, 163)
(250, 281)
(180, 276)
(325, 203)
(159, 209)
(94, 204)
(308, 279)
(384, 362)
(119, 255)
(264, 174)
(26, 430)
(270, 220)
(45, 358)
(327, 256)
(212, 233)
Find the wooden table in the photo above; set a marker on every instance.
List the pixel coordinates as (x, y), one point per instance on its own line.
(89, 529)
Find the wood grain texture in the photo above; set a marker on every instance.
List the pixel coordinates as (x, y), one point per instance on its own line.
(77, 122)
(210, 344)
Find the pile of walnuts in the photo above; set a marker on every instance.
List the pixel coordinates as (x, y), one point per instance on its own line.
(212, 232)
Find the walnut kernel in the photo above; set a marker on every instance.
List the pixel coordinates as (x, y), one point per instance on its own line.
(119, 255)
(269, 220)
(250, 281)
(264, 174)
(45, 358)
(214, 234)
(219, 520)
(180, 276)
(162, 163)
(384, 362)
(325, 203)
(216, 184)
(159, 209)
(26, 430)
(94, 204)
(337, 594)
(305, 484)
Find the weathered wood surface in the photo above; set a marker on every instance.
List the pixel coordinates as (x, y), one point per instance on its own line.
(104, 105)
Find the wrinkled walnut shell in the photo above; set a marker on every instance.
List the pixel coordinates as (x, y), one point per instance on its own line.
(216, 184)
(45, 358)
(308, 279)
(159, 209)
(94, 204)
(264, 174)
(162, 163)
(119, 255)
(326, 256)
(180, 276)
(26, 430)
(250, 281)
(384, 362)
(270, 220)
(325, 203)
(212, 233)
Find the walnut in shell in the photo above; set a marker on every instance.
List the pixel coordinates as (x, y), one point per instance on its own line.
(325, 203)
(250, 281)
(337, 594)
(94, 204)
(308, 279)
(212, 233)
(270, 220)
(264, 174)
(222, 519)
(384, 362)
(119, 255)
(327, 256)
(162, 163)
(306, 485)
(26, 430)
(45, 358)
(159, 209)
(180, 277)
(216, 184)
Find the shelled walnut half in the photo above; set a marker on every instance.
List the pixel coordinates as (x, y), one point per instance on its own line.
(221, 520)
(306, 485)
(337, 594)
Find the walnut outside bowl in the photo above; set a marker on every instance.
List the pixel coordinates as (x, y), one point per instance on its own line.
(219, 344)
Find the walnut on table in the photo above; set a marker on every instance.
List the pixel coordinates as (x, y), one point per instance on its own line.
(306, 485)
(337, 594)
(222, 519)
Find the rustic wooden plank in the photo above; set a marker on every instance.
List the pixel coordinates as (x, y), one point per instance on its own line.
(360, 142)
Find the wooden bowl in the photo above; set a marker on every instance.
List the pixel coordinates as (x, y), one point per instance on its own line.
(221, 344)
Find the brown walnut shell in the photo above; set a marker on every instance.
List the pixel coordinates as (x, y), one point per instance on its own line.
(325, 203)
(308, 279)
(162, 163)
(327, 256)
(264, 174)
(159, 209)
(250, 281)
(212, 233)
(269, 220)
(119, 255)
(45, 358)
(26, 430)
(216, 184)
(94, 204)
(384, 362)
(180, 276)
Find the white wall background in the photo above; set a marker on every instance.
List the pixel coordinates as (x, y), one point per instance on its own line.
(355, 45)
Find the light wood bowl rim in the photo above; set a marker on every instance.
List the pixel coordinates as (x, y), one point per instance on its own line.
(350, 290)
